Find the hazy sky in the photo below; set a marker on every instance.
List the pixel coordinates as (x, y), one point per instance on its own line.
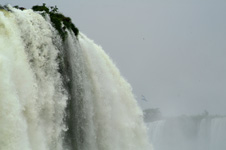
(171, 51)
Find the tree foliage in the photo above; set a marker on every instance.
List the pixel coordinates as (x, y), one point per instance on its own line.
(4, 7)
(59, 21)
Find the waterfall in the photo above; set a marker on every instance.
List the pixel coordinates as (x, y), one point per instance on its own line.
(212, 134)
(188, 133)
(61, 94)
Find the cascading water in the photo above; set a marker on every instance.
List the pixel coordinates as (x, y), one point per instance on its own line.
(60, 94)
(188, 133)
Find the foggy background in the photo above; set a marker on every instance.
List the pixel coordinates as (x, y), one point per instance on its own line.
(171, 51)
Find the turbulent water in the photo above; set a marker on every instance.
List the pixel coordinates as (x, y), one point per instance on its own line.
(187, 133)
(61, 95)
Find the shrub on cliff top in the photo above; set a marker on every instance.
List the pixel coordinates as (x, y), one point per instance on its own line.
(59, 21)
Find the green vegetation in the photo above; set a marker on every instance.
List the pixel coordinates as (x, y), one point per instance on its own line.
(6, 11)
(41, 8)
(59, 21)
(4, 8)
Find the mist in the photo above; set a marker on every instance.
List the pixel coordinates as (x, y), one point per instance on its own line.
(172, 52)
(201, 132)
(173, 55)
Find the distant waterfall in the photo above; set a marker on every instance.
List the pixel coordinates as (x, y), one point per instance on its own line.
(188, 133)
(61, 94)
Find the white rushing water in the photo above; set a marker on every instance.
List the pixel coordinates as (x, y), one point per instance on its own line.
(95, 111)
(188, 133)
